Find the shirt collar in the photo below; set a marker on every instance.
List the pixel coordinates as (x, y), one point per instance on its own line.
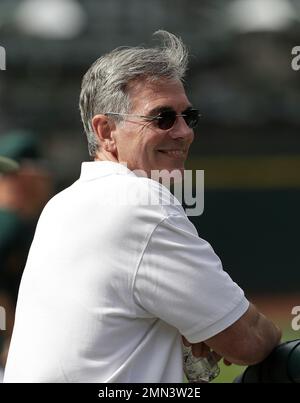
(97, 169)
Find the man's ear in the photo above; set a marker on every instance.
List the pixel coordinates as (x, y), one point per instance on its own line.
(103, 128)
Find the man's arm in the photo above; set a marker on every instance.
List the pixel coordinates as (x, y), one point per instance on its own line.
(247, 341)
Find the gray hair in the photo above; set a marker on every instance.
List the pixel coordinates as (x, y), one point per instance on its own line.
(105, 85)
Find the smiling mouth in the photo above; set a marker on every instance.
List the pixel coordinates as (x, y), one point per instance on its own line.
(173, 153)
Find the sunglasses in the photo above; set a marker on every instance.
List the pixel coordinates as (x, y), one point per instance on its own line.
(165, 120)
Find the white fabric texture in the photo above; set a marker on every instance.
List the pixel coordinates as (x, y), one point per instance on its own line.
(110, 285)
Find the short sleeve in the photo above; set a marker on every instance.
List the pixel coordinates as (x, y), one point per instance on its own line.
(180, 280)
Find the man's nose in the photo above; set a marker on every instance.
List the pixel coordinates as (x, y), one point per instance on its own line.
(181, 129)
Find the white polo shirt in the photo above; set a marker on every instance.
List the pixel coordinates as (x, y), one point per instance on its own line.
(112, 281)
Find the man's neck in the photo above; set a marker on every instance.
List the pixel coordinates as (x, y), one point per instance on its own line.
(103, 155)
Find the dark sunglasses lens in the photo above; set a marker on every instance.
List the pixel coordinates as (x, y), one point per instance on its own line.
(166, 120)
(192, 118)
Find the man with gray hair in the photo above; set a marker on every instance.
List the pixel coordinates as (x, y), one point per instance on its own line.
(112, 284)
